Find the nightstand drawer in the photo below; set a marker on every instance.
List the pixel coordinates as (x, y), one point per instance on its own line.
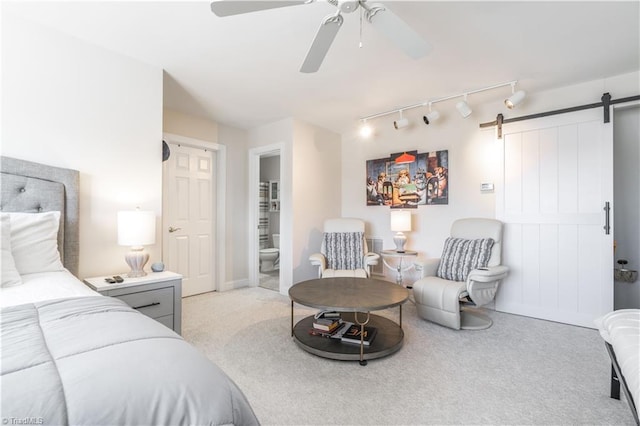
(166, 320)
(153, 303)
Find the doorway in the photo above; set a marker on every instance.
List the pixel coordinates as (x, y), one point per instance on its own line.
(192, 222)
(626, 151)
(265, 243)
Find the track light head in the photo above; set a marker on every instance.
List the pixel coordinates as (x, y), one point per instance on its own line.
(401, 123)
(512, 101)
(431, 117)
(463, 108)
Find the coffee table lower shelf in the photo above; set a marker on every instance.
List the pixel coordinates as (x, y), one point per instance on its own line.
(387, 340)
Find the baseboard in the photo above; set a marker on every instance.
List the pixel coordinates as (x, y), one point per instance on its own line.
(232, 285)
(570, 318)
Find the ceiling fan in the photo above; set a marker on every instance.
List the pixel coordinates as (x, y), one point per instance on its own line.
(378, 15)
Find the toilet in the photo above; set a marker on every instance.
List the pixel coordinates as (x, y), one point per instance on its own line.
(269, 257)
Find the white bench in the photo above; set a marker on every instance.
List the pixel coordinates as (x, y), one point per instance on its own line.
(621, 331)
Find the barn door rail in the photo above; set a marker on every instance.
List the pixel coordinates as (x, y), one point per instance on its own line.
(605, 102)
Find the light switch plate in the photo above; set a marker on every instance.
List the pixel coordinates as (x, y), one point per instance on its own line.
(486, 187)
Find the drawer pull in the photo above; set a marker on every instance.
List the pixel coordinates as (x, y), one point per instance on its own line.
(146, 306)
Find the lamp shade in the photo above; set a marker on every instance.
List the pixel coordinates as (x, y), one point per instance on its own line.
(400, 220)
(136, 228)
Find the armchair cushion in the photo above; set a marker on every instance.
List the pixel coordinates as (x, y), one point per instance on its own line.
(460, 256)
(344, 250)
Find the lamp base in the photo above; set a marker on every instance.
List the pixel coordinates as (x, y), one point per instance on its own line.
(400, 239)
(136, 259)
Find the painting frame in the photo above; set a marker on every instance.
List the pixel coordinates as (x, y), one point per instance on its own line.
(408, 179)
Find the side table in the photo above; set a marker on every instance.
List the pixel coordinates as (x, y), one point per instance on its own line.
(157, 295)
(399, 266)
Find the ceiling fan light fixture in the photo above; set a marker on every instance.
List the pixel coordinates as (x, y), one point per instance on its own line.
(463, 108)
(347, 6)
(379, 16)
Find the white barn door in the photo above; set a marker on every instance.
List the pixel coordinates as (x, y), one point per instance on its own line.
(558, 175)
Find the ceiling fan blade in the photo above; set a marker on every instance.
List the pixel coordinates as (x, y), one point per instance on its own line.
(396, 30)
(236, 7)
(321, 44)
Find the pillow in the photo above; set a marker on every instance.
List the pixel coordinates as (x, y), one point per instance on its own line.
(10, 275)
(343, 250)
(460, 256)
(34, 242)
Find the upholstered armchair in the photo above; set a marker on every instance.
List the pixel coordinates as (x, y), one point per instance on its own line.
(344, 251)
(467, 274)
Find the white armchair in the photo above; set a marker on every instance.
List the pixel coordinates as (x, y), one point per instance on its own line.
(344, 251)
(468, 274)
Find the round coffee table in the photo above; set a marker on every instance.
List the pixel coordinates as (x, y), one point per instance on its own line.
(355, 298)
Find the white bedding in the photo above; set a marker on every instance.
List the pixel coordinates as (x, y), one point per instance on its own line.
(44, 286)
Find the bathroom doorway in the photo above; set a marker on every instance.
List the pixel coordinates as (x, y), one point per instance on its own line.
(269, 221)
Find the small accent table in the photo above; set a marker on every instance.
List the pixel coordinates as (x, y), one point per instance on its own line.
(399, 268)
(350, 296)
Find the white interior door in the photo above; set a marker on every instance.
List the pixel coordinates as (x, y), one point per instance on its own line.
(190, 217)
(558, 175)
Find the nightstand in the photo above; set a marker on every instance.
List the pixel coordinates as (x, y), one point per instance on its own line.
(157, 295)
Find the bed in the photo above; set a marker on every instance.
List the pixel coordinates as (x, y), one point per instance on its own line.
(621, 333)
(72, 356)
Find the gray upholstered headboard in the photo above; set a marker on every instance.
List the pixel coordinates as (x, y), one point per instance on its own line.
(31, 187)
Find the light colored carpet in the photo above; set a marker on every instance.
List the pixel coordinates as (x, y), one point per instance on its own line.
(520, 371)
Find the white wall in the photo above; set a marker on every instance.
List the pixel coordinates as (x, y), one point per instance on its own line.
(236, 199)
(234, 196)
(281, 133)
(75, 105)
(316, 191)
(310, 187)
(472, 158)
(469, 165)
(178, 123)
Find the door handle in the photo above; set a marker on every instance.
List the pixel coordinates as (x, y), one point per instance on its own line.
(607, 220)
(172, 229)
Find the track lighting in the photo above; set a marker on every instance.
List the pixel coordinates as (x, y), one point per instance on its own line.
(365, 130)
(401, 123)
(431, 116)
(512, 101)
(463, 107)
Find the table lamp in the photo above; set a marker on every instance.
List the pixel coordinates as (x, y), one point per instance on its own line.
(136, 229)
(400, 222)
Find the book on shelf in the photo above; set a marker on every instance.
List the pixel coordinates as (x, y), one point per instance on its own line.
(335, 333)
(326, 324)
(327, 314)
(352, 334)
(321, 333)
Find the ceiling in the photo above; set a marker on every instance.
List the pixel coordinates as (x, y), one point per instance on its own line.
(243, 70)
